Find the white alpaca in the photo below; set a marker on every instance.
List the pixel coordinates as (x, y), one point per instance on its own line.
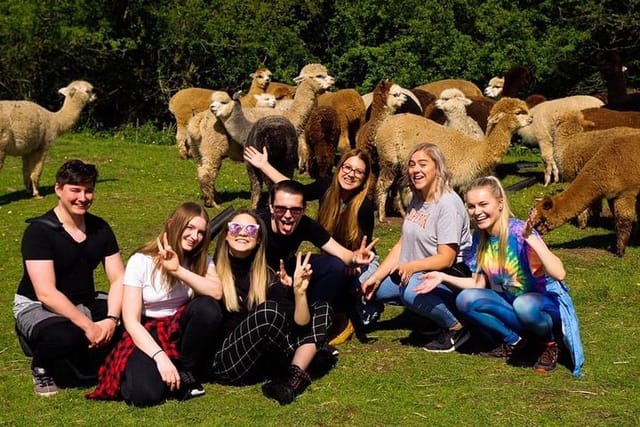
(29, 130)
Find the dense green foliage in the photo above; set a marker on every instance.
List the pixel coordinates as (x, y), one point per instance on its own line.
(139, 53)
(382, 383)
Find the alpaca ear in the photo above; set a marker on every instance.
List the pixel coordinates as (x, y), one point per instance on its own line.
(67, 91)
(298, 79)
(237, 95)
(492, 121)
(467, 101)
(252, 75)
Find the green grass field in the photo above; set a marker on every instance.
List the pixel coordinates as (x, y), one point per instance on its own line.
(379, 383)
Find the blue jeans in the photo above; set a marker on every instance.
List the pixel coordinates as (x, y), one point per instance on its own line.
(507, 316)
(438, 305)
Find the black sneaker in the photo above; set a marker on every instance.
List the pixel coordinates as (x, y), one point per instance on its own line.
(189, 386)
(369, 311)
(43, 383)
(448, 340)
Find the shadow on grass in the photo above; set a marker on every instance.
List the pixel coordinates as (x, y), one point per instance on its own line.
(228, 196)
(45, 190)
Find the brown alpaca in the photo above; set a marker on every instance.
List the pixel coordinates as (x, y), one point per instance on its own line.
(322, 135)
(612, 173)
(388, 98)
(349, 107)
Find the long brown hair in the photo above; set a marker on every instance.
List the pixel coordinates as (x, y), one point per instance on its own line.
(174, 226)
(340, 217)
(260, 275)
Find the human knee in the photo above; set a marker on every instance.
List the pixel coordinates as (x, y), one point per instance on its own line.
(467, 299)
(268, 314)
(206, 310)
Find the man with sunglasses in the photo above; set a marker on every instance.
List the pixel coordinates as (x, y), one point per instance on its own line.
(60, 319)
(288, 227)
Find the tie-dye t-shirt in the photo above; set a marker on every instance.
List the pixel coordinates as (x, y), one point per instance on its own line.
(523, 271)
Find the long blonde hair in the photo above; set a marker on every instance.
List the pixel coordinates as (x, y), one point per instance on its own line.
(260, 274)
(174, 226)
(342, 224)
(443, 175)
(493, 184)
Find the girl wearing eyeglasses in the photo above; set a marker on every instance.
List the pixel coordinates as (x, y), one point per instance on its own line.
(170, 314)
(269, 327)
(345, 210)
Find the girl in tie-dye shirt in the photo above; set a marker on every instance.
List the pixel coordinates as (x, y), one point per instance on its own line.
(516, 290)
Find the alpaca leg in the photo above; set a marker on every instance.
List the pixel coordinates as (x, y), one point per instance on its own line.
(303, 153)
(3, 155)
(32, 164)
(385, 180)
(181, 141)
(624, 212)
(208, 171)
(546, 152)
(256, 186)
(343, 142)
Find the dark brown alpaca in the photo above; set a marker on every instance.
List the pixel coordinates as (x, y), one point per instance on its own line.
(612, 173)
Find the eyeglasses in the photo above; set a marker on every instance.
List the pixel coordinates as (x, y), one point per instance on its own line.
(236, 228)
(347, 169)
(282, 210)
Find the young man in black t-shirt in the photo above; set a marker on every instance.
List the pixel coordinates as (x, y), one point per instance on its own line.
(288, 227)
(56, 308)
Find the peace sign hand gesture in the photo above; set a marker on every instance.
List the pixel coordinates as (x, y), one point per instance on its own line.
(302, 274)
(168, 256)
(364, 255)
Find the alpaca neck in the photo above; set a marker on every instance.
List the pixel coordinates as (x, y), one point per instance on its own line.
(580, 194)
(69, 114)
(305, 100)
(379, 113)
(237, 124)
(494, 146)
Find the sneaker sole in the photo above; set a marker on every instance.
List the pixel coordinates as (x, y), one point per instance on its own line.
(453, 348)
(44, 393)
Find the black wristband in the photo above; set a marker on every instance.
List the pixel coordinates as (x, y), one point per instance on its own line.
(114, 318)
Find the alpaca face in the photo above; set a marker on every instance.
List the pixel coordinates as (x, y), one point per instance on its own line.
(397, 96)
(495, 87)
(316, 73)
(452, 101)
(221, 104)
(262, 77)
(79, 87)
(539, 215)
(265, 100)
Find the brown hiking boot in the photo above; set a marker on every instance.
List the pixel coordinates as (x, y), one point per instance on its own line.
(548, 359)
(505, 351)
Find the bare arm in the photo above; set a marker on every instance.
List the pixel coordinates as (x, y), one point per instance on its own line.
(131, 316)
(209, 284)
(432, 279)
(445, 257)
(390, 263)
(43, 277)
(260, 160)
(362, 256)
(553, 266)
